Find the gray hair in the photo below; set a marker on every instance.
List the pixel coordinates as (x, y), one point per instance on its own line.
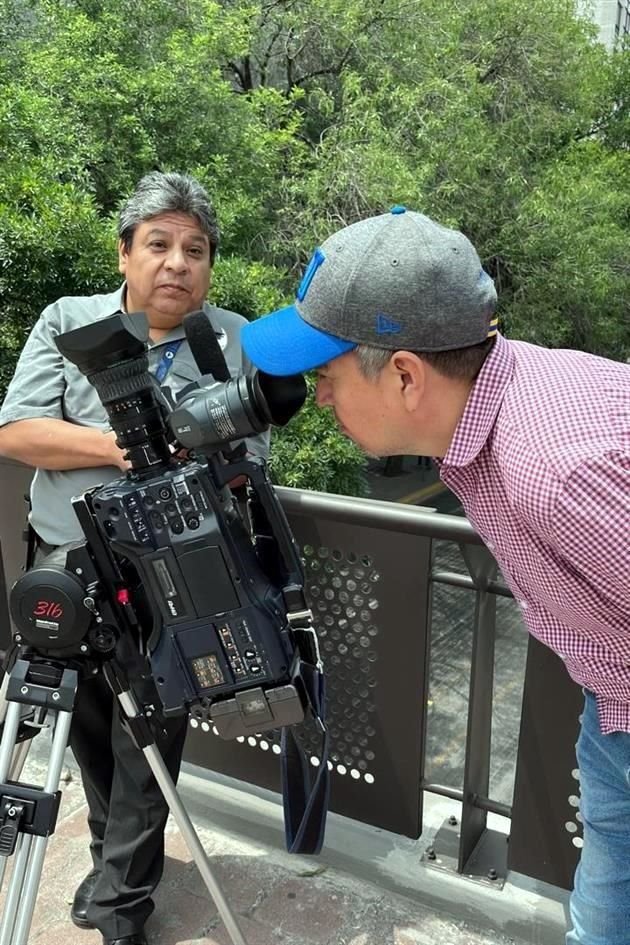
(372, 360)
(458, 364)
(162, 193)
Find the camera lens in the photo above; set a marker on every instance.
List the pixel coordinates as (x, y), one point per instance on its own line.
(112, 354)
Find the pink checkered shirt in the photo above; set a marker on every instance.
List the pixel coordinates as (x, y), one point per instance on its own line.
(541, 463)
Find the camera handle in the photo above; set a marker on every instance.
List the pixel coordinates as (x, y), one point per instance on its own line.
(28, 815)
(254, 469)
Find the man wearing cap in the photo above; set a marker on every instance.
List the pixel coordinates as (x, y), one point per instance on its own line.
(397, 316)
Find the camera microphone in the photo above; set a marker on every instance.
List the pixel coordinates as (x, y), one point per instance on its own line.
(205, 346)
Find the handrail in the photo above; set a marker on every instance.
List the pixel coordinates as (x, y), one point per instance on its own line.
(377, 513)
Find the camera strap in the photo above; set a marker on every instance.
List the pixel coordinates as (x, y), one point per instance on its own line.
(168, 355)
(305, 793)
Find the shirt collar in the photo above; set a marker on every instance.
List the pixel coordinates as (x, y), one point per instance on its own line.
(116, 302)
(483, 405)
(178, 333)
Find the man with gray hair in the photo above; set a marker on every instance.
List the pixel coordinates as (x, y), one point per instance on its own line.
(52, 419)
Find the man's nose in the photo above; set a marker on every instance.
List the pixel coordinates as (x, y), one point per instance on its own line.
(176, 259)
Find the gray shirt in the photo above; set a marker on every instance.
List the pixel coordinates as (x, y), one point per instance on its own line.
(47, 385)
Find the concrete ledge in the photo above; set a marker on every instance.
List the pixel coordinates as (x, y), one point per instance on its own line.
(524, 911)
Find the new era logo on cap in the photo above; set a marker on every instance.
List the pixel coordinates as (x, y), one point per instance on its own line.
(387, 326)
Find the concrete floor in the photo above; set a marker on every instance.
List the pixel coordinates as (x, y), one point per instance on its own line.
(367, 887)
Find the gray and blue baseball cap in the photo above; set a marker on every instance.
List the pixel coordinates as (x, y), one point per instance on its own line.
(399, 280)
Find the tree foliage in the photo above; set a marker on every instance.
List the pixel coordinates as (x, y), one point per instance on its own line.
(502, 117)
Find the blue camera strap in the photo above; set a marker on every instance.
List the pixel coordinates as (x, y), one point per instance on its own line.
(166, 361)
(306, 787)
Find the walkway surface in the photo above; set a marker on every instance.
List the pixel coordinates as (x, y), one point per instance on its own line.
(367, 887)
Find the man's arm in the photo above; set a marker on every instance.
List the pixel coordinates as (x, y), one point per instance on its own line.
(33, 429)
(49, 443)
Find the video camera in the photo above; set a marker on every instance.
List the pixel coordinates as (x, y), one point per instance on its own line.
(213, 597)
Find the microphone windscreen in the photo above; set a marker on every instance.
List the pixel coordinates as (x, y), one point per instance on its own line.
(205, 346)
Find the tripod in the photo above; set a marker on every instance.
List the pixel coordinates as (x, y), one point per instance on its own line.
(28, 814)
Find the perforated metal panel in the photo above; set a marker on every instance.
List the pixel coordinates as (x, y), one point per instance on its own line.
(367, 586)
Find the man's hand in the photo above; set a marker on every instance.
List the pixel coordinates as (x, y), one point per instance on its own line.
(117, 455)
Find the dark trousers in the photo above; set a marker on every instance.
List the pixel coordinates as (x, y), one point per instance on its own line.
(127, 812)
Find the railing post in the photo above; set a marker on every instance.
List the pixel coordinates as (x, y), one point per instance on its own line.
(546, 834)
(482, 568)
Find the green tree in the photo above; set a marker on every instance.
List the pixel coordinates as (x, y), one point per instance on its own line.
(570, 262)
(502, 117)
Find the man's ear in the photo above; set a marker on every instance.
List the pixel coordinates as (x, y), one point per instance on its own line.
(411, 377)
(122, 258)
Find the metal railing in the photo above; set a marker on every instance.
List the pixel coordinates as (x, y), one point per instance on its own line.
(372, 578)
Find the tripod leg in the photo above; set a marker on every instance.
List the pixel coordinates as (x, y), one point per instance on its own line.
(29, 813)
(163, 778)
(9, 737)
(3, 697)
(20, 755)
(17, 765)
(12, 713)
(34, 869)
(19, 760)
(14, 891)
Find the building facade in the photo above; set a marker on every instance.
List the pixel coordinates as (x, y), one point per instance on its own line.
(612, 18)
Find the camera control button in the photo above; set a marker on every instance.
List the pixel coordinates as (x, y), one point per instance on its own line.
(165, 493)
(192, 522)
(177, 526)
(254, 668)
(250, 654)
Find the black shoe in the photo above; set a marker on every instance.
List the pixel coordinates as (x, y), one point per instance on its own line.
(82, 899)
(138, 938)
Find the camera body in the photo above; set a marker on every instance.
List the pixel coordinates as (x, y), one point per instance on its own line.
(219, 628)
(213, 597)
